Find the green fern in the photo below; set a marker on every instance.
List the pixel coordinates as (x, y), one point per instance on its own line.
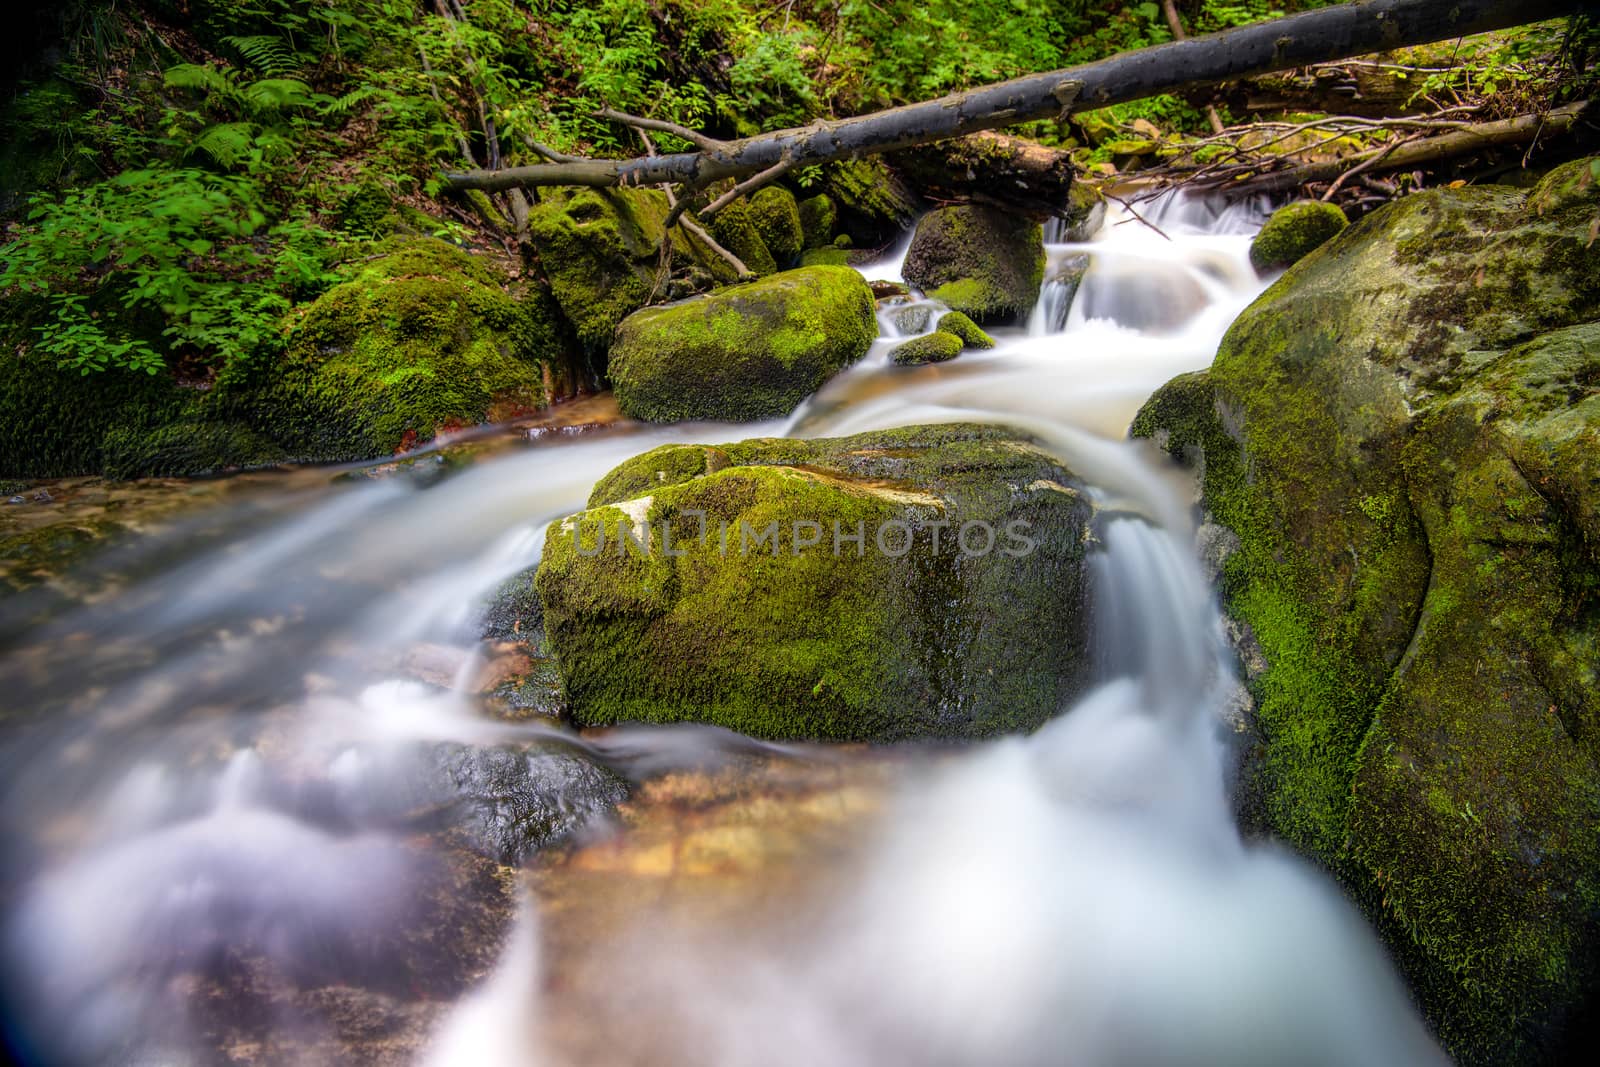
(267, 54)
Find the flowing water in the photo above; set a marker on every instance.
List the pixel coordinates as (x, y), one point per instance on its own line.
(227, 837)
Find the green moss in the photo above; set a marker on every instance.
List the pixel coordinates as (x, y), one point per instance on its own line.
(1415, 487)
(777, 219)
(779, 641)
(971, 335)
(825, 257)
(424, 337)
(600, 250)
(735, 228)
(818, 219)
(184, 448)
(933, 347)
(868, 195)
(53, 423)
(1293, 232)
(746, 352)
(977, 260)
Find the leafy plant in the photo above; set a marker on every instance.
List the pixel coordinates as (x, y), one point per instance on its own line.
(161, 261)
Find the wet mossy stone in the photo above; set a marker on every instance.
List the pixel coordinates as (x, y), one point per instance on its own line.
(818, 219)
(777, 219)
(935, 347)
(791, 639)
(972, 336)
(736, 228)
(1293, 232)
(746, 352)
(985, 263)
(600, 250)
(1403, 433)
(425, 337)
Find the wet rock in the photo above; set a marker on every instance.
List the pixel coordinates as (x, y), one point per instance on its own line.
(1403, 435)
(954, 322)
(978, 260)
(910, 318)
(936, 347)
(514, 801)
(745, 352)
(923, 630)
(1293, 232)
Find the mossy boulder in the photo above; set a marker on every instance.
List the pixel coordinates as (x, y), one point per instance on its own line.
(1402, 435)
(1294, 231)
(749, 351)
(889, 638)
(972, 336)
(935, 347)
(600, 250)
(777, 219)
(424, 337)
(818, 219)
(985, 263)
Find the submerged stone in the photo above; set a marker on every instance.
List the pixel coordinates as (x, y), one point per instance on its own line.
(923, 582)
(978, 260)
(1402, 435)
(749, 351)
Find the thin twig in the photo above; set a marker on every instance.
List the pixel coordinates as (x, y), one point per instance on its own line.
(1132, 211)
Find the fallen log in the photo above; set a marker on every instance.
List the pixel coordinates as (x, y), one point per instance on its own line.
(1399, 156)
(1317, 36)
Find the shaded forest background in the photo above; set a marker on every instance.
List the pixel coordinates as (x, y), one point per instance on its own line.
(177, 174)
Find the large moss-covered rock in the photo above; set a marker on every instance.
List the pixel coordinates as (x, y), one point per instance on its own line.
(1293, 231)
(1402, 434)
(977, 260)
(424, 337)
(890, 637)
(601, 249)
(745, 352)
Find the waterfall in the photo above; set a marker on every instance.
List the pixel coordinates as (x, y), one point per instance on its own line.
(230, 748)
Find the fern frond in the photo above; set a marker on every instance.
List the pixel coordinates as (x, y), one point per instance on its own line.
(199, 78)
(274, 94)
(267, 54)
(227, 142)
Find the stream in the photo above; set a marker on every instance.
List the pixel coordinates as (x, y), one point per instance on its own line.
(233, 831)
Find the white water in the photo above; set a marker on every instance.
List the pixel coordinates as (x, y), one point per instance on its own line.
(227, 767)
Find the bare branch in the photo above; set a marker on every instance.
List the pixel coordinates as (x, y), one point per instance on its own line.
(707, 144)
(745, 188)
